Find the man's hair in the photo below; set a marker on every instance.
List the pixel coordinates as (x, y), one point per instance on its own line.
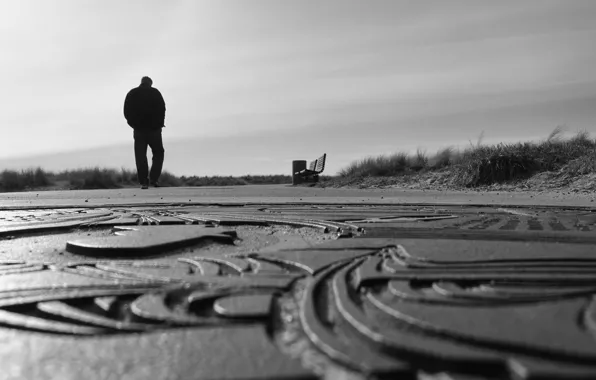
(146, 81)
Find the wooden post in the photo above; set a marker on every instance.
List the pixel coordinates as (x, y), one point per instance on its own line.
(297, 166)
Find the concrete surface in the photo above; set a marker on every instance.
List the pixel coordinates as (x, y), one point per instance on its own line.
(316, 284)
(271, 194)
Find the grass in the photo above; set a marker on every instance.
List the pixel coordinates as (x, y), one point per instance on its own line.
(94, 178)
(235, 181)
(474, 166)
(480, 164)
(105, 178)
(12, 180)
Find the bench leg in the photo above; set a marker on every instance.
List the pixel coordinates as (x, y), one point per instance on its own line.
(311, 178)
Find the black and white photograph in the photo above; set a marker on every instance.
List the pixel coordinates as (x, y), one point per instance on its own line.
(298, 189)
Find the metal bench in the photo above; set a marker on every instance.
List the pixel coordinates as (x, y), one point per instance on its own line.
(310, 174)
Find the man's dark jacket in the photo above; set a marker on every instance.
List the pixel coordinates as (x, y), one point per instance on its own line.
(145, 109)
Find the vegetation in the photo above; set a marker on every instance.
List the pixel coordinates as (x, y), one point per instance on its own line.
(103, 178)
(476, 165)
(12, 180)
(235, 181)
(480, 165)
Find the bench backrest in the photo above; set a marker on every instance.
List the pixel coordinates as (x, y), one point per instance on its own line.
(312, 165)
(320, 163)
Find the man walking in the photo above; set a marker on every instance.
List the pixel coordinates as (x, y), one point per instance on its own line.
(145, 112)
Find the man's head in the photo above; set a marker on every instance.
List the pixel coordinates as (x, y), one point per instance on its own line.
(146, 81)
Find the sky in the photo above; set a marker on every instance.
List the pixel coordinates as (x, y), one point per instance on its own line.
(251, 85)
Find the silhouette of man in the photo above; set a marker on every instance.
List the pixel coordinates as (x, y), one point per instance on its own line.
(145, 112)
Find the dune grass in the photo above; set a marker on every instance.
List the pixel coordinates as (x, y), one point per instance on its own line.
(106, 178)
(473, 166)
(481, 164)
(12, 180)
(236, 181)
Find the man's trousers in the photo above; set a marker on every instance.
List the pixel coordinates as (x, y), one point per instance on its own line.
(153, 140)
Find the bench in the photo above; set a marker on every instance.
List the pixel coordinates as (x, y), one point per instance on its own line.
(315, 168)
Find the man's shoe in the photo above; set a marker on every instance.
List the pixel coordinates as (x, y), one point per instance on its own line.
(144, 187)
(155, 184)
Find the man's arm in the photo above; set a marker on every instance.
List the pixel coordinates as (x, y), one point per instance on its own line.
(128, 112)
(162, 108)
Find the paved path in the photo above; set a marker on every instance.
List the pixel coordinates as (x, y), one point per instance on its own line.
(284, 194)
(274, 282)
